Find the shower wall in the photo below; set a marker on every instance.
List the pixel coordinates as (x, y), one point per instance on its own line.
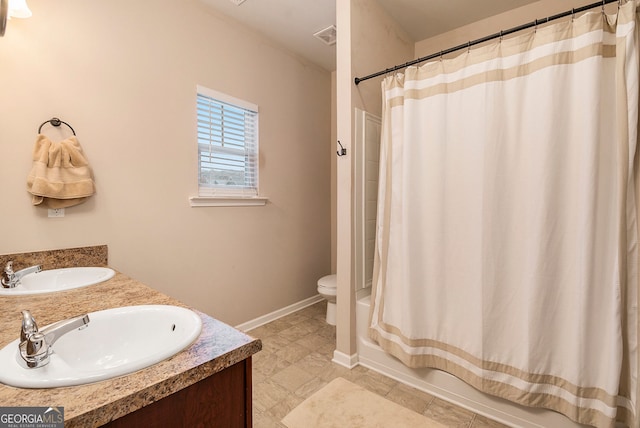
(366, 162)
(369, 39)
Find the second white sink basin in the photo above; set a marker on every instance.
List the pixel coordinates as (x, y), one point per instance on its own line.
(115, 342)
(50, 281)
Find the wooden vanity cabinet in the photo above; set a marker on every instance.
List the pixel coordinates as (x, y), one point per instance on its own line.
(219, 401)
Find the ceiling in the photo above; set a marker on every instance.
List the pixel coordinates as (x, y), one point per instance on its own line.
(292, 23)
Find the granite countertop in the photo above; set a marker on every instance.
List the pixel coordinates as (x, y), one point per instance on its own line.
(219, 346)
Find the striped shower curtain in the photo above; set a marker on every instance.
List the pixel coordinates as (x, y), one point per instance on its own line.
(506, 248)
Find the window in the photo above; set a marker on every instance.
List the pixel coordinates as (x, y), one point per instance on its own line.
(227, 146)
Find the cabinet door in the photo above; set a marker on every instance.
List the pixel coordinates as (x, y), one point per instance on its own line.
(221, 400)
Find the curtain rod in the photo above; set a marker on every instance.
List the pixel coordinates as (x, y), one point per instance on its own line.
(486, 39)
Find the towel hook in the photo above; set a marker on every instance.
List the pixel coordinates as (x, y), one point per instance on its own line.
(55, 122)
(342, 150)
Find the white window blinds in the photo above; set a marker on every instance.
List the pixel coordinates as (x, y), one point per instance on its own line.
(227, 145)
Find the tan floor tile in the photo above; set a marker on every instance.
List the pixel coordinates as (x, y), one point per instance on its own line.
(327, 331)
(263, 353)
(262, 420)
(375, 383)
(279, 325)
(259, 356)
(275, 343)
(296, 362)
(355, 373)
(321, 315)
(311, 325)
(306, 390)
(334, 371)
(258, 377)
(313, 341)
(328, 349)
(313, 363)
(361, 370)
(293, 352)
(410, 398)
(283, 408)
(375, 375)
(269, 364)
(267, 394)
(263, 331)
(291, 378)
(294, 333)
(295, 318)
(483, 422)
(313, 311)
(448, 414)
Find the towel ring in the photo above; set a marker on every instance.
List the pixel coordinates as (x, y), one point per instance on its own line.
(55, 122)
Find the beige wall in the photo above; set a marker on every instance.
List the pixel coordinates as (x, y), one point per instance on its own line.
(345, 313)
(377, 42)
(504, 21)
(124, 74)
(334, 173)
(367, 40)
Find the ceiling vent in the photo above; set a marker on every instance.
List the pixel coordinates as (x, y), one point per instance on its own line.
(328, 35)
(237, 2)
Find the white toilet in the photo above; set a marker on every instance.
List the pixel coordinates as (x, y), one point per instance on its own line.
(327, 288)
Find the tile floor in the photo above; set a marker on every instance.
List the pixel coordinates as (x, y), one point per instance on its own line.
(295, 361)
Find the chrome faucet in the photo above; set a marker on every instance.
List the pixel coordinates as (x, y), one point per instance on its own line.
(36, 345)
(10, 278)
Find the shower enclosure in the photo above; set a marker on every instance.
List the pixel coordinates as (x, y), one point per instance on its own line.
(370, 355)
(366, 163)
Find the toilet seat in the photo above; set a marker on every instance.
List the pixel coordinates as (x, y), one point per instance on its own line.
(328, 281)
(327, 285)
(328, 291)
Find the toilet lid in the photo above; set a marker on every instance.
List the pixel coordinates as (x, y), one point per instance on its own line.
(328, 281)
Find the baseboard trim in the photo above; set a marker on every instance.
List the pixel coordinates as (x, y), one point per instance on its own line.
(264, 319)
(348, 361)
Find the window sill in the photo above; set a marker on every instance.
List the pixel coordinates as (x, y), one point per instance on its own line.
(226, 201)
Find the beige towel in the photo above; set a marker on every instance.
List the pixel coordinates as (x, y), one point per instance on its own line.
(60, 176)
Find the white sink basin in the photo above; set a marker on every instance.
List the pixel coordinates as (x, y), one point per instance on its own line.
(115, 342)
(50, 281)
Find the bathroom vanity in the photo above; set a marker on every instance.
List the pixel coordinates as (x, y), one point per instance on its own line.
(207, 384)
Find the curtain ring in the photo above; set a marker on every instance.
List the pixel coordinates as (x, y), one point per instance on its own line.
(441, 53)
(603, 3)
(500, 36)
(469, 46)
(573, 14)
(535, 26)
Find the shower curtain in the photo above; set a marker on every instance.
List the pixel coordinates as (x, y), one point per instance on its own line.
(506, 248)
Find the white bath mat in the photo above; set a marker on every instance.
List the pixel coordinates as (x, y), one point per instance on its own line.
(342, 404)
